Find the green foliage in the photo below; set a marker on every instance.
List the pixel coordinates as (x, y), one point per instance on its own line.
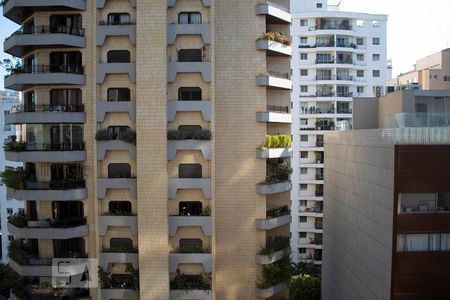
(206, 211)
(187, 283)
(278, 272)
(279, 37)
(13, 145)
(278, 212)
(128, 135)
(8, 278)
(134, 274)
(104, 279)
(11, 66)
(18, 220)
(304, 287)
(275, 244)
(277, 141)
(189, 134)
(277, 171)
(191, 249)
(14, 178)
(303, 268)
(120, 249)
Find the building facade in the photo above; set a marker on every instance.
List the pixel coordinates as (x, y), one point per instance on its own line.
(8, 205)
(337, 56)
(430, 73)
(138, 132)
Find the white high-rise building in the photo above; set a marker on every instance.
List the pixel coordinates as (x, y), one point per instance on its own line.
(336, 56)
(8, 205)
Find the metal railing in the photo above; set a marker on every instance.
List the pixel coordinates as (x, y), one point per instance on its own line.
(284, 75)
(48, 30)
(274, 108)
(325, 61)
(334, 77)
(55, 185)
(47, 108)
(50, 147)
(53, 68)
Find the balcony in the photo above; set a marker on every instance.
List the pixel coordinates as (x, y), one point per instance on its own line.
(116, 293)
(275, 114)
(106, 221)
(190, 294)
(173, 107)
(203, 67)
(275, 80)
(190, 221)
(205, 259)
(107, 258)
(101, 3)
(275, 13)
(104, 107)
(49, 191)
(171, 3)
(28, 152)
(103, 184)
(203, 184)
(274, 153)
(59, 230)
(181, 145)
(272, 223)
(274, 48)
(104, 30)
(115, 145)
(272, 291)
(270, 189)
(23, 41)
(270, 258)
(19, 10)
(104, 69)
(173, 30)
(46, 114)
(21, 79)
(324, 61)
(26, 263)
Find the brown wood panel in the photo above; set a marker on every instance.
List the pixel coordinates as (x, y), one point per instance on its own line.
(417, 223)
(423, 262)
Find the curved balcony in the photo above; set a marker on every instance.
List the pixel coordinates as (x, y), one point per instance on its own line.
(275, 114)
(173, 30)
(275, 14)
(117, 221)
(272, 291)
(47, 153)
(180, 145)
(23, 41)
(116, 183)
(269, 189)
(104, 107)
(171, 3)
(202, 67)
(19, 10)
(275, 80)
(205, 259)
(107, 258)
(190, 221)
(104, 69)
(269, 224)
(190, 294)
(22, 79)
(49, 191)
(203, 184)
(60, 230)
(274, 48)
(116, 30)
(173, 107)
(115, 145)
(271, 258)
(46, 114)
(34, 267)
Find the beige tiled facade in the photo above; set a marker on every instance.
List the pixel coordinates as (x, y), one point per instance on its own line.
(223, 222)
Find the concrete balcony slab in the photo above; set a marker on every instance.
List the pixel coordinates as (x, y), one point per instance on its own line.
(115, 145)
(203, 184)
(176, 259)
(116, 183)
(190, 221)
(174, 146)
(173, 107)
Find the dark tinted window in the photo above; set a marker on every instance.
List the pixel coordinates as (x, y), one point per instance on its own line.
(119, 170)
(189, 94)
(189, 18)
(118, 19)
(189, 55)
(185, 243)
(190, 208)
(121, 242)
(190, 171)
(120, 207)
(119, 56)
(119, 94)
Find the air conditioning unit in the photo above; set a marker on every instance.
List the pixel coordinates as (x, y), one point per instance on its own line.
(378, 90)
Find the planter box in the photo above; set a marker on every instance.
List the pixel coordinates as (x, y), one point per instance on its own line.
(267, 293)
(270, 259)
(269, 189)
(274, 153)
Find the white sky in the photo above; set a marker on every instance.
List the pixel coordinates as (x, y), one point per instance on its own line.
(416, 28)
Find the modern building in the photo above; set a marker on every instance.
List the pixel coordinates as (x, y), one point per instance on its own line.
(337, 56)
(386, 234)
(430, 73)
(139, 131)
(9, 100)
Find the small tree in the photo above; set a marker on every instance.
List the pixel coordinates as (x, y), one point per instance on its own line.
(8, 279)
(304, 287)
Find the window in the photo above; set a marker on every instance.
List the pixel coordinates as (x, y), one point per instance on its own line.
(193, 208)
(360, 73)
(189, 55)
(303, 219)
(302, 235)
(360, 41)
(10, 238)
(303, 187)
(120, 208)
(375, 41)
(6, 127)
(119, 170)
(189, 94)
(303, 40)
(304, 89)
(376, 24)
(21, 211)
(303, 23)
(423, 242)
(304, 138)
(117, 131)
(303, 121)
(376, 73)
(303, 202)
(360, 57)
(319, 5)
(119, 19)
(119, 94)
(70, 24)
(304, 154)
(66, 62)
(303, 171)
(69, 99)
(301, 250)
(303, 72)
(119, 56)
(303, 56)
(446, 78)
(189, 18)
(376, 57)
(360, 23)
(360, 89)
(9, 211)
(190, 171)
(435, 76)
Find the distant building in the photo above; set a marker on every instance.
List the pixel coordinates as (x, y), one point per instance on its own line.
(430, 73)
(387, 229)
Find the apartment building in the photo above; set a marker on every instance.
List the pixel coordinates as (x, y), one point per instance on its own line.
(138, 133)
(337, 56)
(388, 195)
(9, 100)
(430, 73)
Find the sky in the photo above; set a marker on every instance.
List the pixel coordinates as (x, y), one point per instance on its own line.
(416, 28)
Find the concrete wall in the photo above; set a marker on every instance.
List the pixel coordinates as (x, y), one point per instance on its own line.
(365, 113)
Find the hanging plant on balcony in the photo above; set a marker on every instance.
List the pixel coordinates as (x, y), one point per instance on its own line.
(279, 37)
(14, 178)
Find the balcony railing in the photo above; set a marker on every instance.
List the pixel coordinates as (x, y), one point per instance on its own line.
(334, 77)
(49, 29)
(55, 185)
(102, 23)
(320, 145)
(318, 193)
(345, 61)
(324, 94)
(53, 68)
(281, 109)
(318, 225)
(325, 61)
(344, 94)
(344, 111)
(284, 75)
(319, 176)
(60, 223)
(48, 147)
(47, 108)
(333, 27)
